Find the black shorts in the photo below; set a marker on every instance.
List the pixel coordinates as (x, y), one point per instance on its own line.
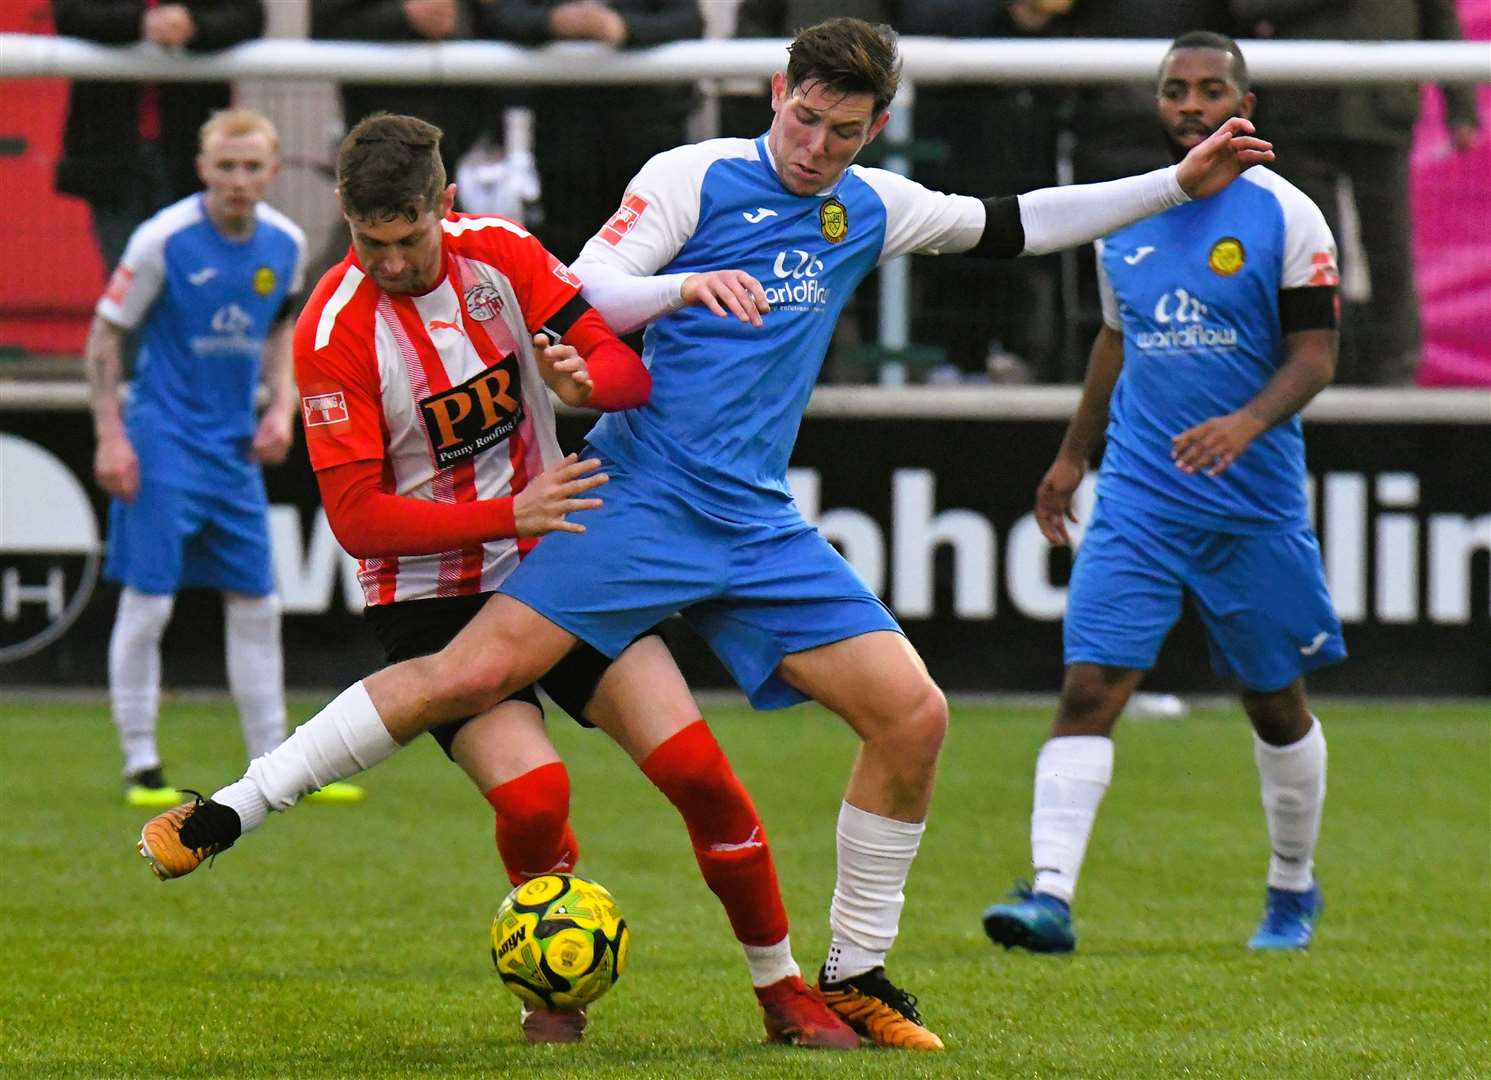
(420, 627)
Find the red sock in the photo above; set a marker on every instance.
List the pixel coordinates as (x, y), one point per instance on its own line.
(533, 833)
(729, 843)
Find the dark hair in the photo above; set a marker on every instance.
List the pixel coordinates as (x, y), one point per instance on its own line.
(1206, 39)
(849, 56)
(389, 166)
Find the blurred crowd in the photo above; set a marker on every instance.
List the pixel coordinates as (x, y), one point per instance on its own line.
(559, 160)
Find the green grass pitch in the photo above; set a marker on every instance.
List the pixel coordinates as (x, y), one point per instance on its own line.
(350, 941)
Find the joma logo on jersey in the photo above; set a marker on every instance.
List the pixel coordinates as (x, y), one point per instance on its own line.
(481, 412)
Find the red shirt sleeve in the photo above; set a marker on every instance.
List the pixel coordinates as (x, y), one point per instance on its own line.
(370, 523)
(618, 378)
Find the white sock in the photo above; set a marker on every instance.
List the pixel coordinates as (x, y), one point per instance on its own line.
(875, 855)
(1292, 779)
(771, 963)
(344, 738)
(256, 669)
(134, 674)
(1072, 774)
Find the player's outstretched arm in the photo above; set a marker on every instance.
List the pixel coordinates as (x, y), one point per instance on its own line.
(1212, 445)
(1053, 219)
(371, 523)
(115, 466)
(1213, 164)
(1054, 494)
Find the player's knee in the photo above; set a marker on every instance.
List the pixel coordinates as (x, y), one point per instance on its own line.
(463, 685)
(924, 724)
(1090, 702)
(142, 617)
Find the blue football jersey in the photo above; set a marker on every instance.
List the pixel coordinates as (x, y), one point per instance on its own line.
(727, 398)
(203, 306)
(1195, 291)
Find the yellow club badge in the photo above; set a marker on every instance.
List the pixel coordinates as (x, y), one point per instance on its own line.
(833, 220)
(1227, 256)
(264, 280)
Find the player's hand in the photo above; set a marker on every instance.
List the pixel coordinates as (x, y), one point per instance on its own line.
(170, 25)
(433, 19)
(273, 438)
(587, 20)
(1053, 500)
(1214, 444)
(563, 370)
(541, 507)
(116, 468)
(1221, 159)
(728, 292)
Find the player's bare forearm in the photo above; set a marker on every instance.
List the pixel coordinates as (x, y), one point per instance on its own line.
(279, 368)
(104, 365)
(1213, 445)
(1104, 363)
(1058, 487)
(1308, 369)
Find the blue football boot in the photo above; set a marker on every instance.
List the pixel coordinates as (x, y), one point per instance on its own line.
(1289, 919)
(1036, 921)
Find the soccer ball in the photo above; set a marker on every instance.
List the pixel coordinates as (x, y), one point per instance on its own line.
(559, 941)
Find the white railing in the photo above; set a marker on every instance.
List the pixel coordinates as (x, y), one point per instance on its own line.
(927, 60)
(1338, 404)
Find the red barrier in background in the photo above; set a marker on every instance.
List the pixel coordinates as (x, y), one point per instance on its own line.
(52, 273)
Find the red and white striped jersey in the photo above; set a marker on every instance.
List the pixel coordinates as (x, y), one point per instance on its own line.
(443, 389)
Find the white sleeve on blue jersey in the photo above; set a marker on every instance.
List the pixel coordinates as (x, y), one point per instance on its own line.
(265, 212)
(624, 300)
(1111, 318)
(141, 272)
(1056, 218)
(1309, 248)
(660, 209)
(920, 221)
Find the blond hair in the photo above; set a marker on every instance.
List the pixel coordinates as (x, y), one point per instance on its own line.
(230, 122)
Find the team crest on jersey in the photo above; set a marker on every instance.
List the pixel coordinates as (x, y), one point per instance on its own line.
(833, 220)
(564, 274)
(1227, 256)
(475, 416)
(483, 301)
(264, 280)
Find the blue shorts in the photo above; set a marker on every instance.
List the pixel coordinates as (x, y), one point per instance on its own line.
(756, 592)
(170, 539)
(1262, 598)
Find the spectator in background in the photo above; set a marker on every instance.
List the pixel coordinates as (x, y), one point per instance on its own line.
(130, 148)
(996, 318)
(1364, 133)
(464, 113)
(591, 140)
